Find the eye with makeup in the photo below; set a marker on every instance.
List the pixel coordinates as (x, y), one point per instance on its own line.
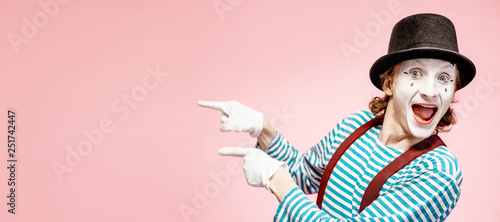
(444, 78)
(414, 73)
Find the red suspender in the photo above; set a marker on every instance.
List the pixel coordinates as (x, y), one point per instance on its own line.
(336, 156)
(374, 187)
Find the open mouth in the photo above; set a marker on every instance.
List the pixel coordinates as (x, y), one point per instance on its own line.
(424, 113)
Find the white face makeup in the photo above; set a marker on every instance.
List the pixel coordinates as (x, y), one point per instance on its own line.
(423, 93)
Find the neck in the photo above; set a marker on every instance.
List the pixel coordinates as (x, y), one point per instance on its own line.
(394, 135)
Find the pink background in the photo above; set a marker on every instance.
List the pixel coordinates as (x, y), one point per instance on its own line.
(282, 58)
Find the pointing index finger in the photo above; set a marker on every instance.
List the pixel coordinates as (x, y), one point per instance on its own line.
(235, 151)
(217, 105)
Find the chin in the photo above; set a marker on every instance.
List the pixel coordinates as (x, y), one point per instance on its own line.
(420, 132)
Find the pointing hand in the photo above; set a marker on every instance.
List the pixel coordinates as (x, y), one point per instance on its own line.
(237, 117)
(259, 167)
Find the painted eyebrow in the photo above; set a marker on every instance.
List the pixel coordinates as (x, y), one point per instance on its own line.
(448, 65)
(416, 62)
(411, 63)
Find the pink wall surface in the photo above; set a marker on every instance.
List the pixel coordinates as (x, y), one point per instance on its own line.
(107, 125)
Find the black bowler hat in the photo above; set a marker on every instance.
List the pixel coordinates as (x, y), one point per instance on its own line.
(423, 36)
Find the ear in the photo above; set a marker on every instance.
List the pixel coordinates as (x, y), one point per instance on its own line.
(387, 86)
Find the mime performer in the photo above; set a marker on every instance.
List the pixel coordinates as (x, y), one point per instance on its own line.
(386, 164)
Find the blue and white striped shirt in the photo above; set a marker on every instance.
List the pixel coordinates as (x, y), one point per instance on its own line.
(427, 189)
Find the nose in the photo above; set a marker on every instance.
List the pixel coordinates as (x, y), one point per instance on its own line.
(428, 91)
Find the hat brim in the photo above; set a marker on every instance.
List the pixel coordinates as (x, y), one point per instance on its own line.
(465, 66)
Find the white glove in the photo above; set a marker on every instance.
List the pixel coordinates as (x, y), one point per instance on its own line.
(237, 117)
(259, 167)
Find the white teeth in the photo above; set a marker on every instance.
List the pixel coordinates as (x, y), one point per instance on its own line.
(426, 106)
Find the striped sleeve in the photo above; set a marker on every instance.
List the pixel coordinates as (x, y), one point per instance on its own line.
(425, 195)
(306, 168)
